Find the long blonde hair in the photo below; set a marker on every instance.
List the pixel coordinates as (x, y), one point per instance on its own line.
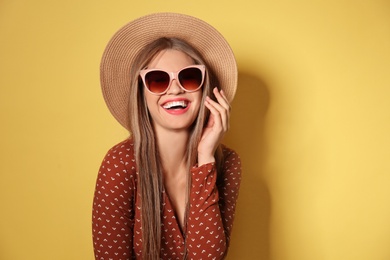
(150, 176)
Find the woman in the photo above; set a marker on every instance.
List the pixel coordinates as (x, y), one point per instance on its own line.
(169, 191)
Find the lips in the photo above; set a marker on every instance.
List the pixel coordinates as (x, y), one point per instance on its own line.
(176, 106)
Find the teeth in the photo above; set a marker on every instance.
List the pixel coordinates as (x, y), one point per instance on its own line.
(181, 103)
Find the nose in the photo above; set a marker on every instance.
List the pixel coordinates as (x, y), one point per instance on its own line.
(175, 88)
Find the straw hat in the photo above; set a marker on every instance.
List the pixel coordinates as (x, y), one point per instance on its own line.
(125, 45)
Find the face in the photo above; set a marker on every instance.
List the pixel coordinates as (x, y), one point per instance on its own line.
(176, 109)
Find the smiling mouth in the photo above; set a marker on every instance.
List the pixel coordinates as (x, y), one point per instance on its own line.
(176, 104)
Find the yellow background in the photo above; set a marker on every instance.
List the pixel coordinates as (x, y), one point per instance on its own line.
(311, 121)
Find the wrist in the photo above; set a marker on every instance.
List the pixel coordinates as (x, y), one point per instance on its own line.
(204, 159)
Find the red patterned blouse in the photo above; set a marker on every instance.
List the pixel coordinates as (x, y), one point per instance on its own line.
(116, 222)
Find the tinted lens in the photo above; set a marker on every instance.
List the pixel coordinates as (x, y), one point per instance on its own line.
(157, 81)
(190, 78)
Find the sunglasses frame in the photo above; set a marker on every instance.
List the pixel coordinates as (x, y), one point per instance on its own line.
(172, 76)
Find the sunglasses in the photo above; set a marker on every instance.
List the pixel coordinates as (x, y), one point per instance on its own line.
(157, 81)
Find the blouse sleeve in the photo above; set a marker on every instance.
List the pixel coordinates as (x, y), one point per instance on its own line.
(113, 213)
(212, 207)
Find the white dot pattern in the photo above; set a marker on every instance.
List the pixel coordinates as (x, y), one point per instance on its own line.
(116, 221)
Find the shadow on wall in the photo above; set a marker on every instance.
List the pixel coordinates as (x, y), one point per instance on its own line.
(250, 239)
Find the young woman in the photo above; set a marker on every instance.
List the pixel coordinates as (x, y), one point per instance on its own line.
(169, 191)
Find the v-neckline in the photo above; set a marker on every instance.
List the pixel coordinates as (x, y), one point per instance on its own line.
(170, 209)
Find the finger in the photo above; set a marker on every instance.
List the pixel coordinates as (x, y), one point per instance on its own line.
(218, 111)
(221, 98)
(215, 114)
(226, 99)
(222, 105)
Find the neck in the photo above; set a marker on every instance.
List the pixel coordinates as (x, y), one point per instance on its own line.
(172, 146)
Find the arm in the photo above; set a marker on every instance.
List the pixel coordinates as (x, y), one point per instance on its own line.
(212, 207)
(113, 213)
(228, 187)
(211, 203)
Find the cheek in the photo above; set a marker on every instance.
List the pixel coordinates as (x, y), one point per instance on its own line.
(151, 100)
(197, 105)
(199, 102)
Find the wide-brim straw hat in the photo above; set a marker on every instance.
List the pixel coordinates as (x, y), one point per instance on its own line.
(126, 43)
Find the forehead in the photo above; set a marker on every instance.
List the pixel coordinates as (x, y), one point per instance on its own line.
(170, 59)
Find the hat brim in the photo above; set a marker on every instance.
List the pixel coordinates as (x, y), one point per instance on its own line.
(126, 43)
